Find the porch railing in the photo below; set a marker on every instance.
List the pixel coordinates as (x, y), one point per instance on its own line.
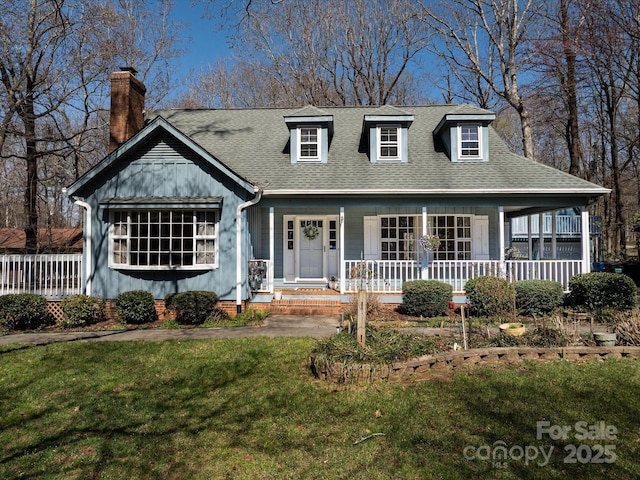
(566, 225)
(53, 276)
(382, 276)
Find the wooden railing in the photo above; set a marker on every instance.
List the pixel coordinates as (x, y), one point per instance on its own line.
(53, 276)
(382, 276)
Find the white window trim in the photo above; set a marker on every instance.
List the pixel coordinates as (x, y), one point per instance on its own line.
(196, 266)
(432, 229)
(480, 146)
(318, 142)
(397, 143)
(413, 251)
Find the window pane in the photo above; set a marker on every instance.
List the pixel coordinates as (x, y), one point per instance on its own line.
(164, 238)
(470, 141)
(309, 150)
(309, 142)
(400, 228)
(388, 143)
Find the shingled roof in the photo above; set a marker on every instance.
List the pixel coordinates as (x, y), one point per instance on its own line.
(254, 143)
(59, 240)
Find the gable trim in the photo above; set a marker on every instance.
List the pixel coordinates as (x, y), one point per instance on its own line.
(449, 191)
(158, 123)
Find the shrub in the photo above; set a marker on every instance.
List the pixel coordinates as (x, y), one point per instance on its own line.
(491, 296)
(598, 290)
(427, 298)
(193, 307)
(218, 315)
(545, 336)
(82, 310)
(538, 297)
(24, 311)
(374, 306)
(627, 327)
(135, 307)
(383, 346)
(251, 316)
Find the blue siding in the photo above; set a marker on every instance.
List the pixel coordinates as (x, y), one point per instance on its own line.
(165, 167)
(354, 226)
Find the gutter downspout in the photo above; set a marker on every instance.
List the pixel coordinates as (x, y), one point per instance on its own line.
(239, 210)
(87, 246)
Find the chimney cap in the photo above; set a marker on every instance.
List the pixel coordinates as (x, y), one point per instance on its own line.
(131, 70)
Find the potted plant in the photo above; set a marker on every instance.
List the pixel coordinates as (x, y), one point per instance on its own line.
(334, 283)
(604, 339)
(277, 294)
(513, 329)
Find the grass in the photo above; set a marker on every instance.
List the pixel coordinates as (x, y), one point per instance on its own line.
(249, 409)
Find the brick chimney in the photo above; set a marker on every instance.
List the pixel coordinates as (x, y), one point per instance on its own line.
(127, 107)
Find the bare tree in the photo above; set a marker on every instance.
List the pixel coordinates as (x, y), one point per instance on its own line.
(609, 55)
(557, 53)
(323, 52)
(55, 57)
(485, 43)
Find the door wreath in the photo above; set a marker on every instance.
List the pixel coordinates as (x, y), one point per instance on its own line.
(311, 232)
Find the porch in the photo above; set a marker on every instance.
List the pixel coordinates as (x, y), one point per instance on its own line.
(383, 252)
(387, 276)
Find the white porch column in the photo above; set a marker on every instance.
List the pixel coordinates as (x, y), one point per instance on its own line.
(423, 272)
(343, 277)
(540, 236)
(554, 233)
(529, 239)
(272, 247)
(501, 244)
(584, 236)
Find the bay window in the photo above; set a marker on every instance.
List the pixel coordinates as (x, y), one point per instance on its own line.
(164, 238)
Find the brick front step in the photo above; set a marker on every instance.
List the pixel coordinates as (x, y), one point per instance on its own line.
(299, 306)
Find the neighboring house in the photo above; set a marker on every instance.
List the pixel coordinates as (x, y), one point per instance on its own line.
(50, 240)
(241, 201)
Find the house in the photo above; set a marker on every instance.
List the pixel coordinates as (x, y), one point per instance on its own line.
(242, 201)
(50, 240)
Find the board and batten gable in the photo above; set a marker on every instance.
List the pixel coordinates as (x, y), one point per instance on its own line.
(161, 165)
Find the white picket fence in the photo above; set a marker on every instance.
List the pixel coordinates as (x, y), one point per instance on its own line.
(53, 276)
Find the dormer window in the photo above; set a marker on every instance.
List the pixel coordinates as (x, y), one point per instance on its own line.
(469, 142)
(308, 143)
(310, 133)
(465, 136)
(387, 135)
(388, 142)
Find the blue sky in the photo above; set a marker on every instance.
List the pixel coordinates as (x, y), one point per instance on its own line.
(204, 44)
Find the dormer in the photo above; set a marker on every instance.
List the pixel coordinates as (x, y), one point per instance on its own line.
(465, 137)
(310, 132)
(387, 135)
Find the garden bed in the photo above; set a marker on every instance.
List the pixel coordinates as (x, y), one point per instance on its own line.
(426, 366)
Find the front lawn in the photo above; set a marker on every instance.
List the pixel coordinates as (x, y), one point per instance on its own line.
(249, 409)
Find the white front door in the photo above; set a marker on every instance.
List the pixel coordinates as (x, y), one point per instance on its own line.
(311, 235)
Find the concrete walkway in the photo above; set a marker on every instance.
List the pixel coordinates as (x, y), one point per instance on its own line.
(272, 326)
(315, 326)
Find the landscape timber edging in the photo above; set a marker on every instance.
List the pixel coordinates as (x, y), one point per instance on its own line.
(424, 367)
